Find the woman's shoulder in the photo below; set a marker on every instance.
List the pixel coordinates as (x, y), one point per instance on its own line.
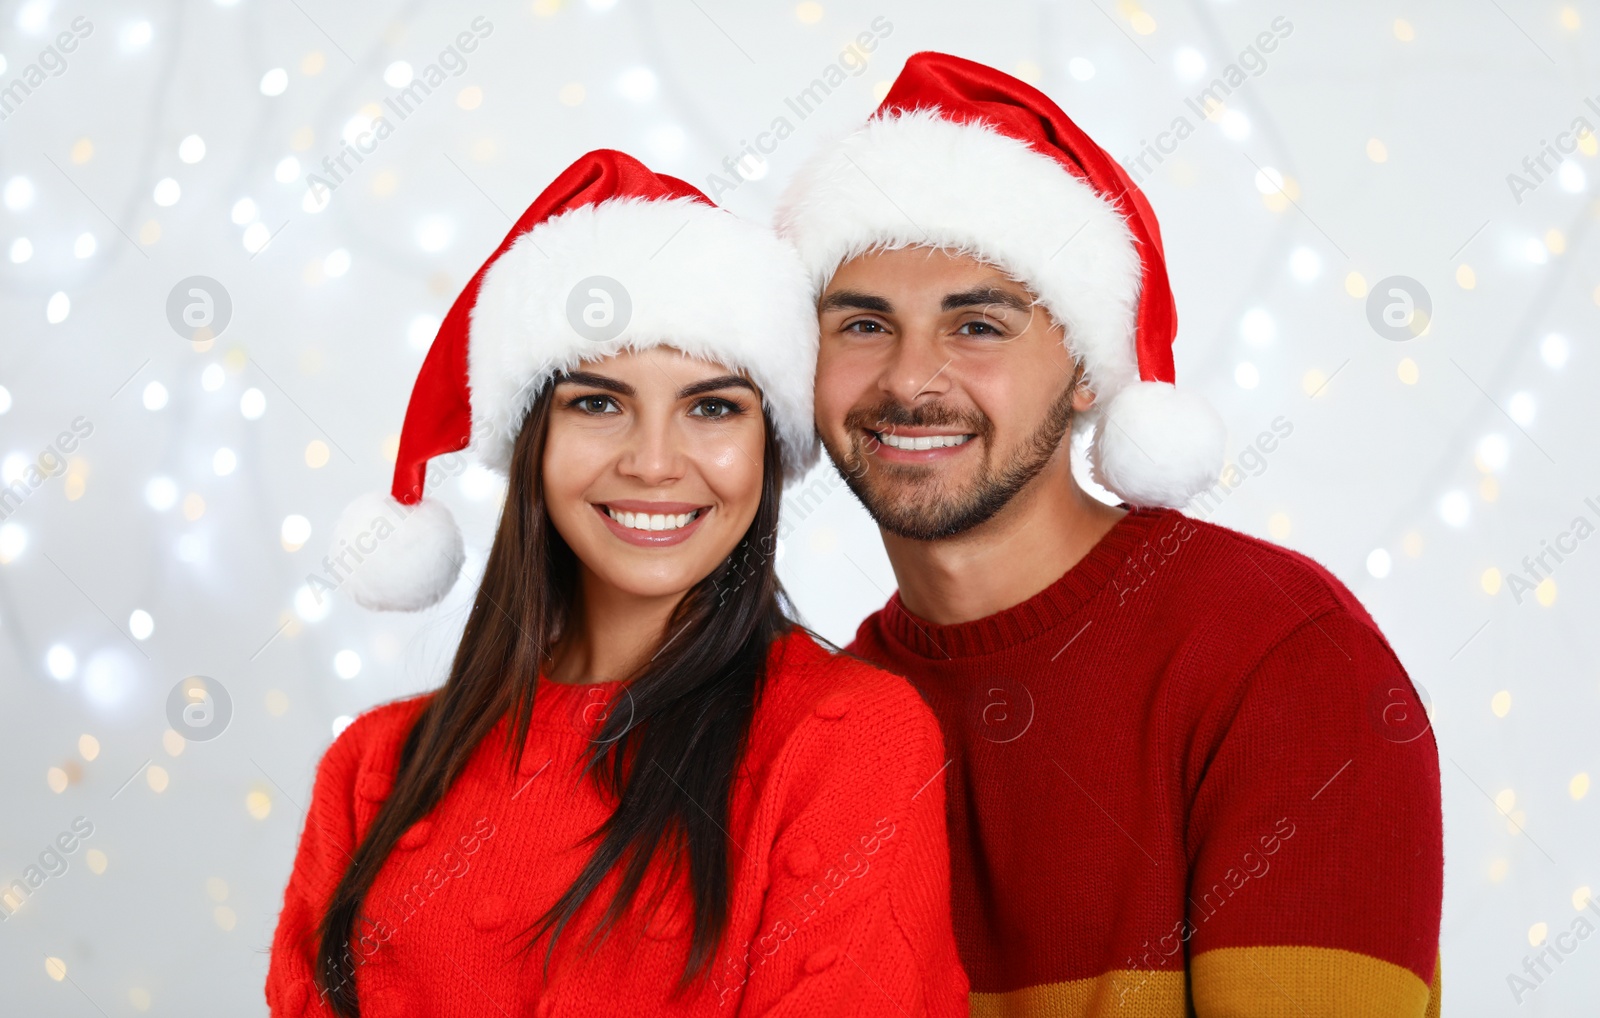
(372, 741)
(807, 682)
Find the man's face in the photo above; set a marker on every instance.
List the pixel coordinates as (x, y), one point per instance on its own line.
(943, 389)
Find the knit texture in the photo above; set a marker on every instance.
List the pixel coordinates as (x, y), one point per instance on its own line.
(1189, 774)
(837, 848)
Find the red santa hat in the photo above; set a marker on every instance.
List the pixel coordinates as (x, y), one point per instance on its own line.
(962, 157)
(611, 257)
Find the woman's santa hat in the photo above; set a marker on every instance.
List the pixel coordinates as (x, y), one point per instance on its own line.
(611, 257)
(964, 158)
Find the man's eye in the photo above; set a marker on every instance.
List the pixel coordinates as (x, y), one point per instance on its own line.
(865, 325)
(979, 328)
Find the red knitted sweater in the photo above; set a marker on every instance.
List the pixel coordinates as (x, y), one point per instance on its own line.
(839, 867)
(1190, 774)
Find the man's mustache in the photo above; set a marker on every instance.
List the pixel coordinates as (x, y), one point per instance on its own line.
(891, 414)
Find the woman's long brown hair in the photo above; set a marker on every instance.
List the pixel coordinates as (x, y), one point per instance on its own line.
(668, 763)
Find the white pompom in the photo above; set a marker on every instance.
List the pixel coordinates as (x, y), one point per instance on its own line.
(1158, 445)
(393, 557)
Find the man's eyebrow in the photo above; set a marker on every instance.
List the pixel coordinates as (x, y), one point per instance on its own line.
(713, 384)
(855, 300)
(591, 380)
(981, 296)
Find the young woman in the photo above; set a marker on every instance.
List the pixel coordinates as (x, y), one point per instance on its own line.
(642, 789)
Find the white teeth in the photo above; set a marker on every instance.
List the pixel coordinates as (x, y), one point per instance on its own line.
(651, 521)
(894, 441)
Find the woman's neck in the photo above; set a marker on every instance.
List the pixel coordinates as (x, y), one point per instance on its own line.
(612, 633)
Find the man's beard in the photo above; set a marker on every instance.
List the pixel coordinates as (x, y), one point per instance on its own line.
(922, 511)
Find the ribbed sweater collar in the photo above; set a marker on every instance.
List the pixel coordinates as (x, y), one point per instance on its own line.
(1046, 610)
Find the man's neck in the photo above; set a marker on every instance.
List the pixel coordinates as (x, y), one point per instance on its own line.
(1043, 532)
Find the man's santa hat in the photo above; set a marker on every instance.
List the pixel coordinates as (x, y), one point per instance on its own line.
(611, 257)
(964, 158)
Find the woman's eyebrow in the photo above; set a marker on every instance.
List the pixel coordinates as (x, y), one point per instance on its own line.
(713, 384)
(596, 381)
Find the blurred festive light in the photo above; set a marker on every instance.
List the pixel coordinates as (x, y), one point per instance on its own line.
(135, 36)
(212, 377)
(347, 664)
(1234, 124)
(1500, 703)
(469, 98)
(160, 493)
(1578, 787)
(140, 624)
(637, 83)
(1257, 327)
(84, 246)
(434, 233)
(479, 482)
(1188, 63)
(397, 74)
(167, 192)
(157, 778)
(421, 330)
(1521, 408)
(287, 171)
(97, 865)
(192, 549)
(256, 236)
(18, 193)
(571, 94)
(54, 967)
(1571, 177)
(1142, 22)
(1534, 251)
(155, 396)
(13, 540)
(310, 605)
(1080, 68)
(336, 263)
(1269, 180)
(1379, 563)
(252, 404)
(244, 212)
(356, 126)
(1377, 151)
(88, 746)
(1455, 508)
(274, 81)
(5, 399)
(1554, 350)
(13, 467)
(1246, 375)
(59, 307)
(258, 803)
(21, 250)
(60, 662)
(1278, 526)
(1403, 30)
(295, 532)
(1555, 241)
(1465, 277)
(223, 461)
(808, 13)
(340, 723)
(316, 453)
(192, 149)
(1407, 371)
(1545, 592)
(1305, 264)
(34, 17)
(1355, 284)
(1493, 452)
(318, 198)
(110, 677)
(56, 778)
(194, 506)
(1490, 581)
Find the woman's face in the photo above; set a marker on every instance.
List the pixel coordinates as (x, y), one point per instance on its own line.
(653, 468)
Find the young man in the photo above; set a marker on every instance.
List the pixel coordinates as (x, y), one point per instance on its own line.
(1188, 771)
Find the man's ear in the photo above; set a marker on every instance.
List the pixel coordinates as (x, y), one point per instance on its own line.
(1083, 396)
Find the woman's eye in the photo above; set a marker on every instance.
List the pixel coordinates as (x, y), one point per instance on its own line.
(715, 408)
(594, 404)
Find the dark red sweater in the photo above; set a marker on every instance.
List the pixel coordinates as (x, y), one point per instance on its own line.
(1191, 772)
(839, 868)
